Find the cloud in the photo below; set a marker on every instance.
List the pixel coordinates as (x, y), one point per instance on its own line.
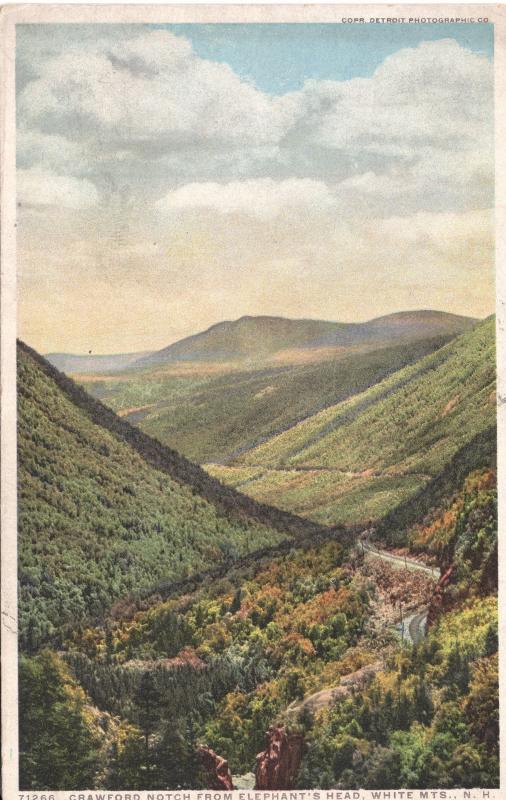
(432, 179)
(51, 152)
(135, 110)
(263, 198)
(39, 187)
(407, 104)
(148, 90)
(147, 151)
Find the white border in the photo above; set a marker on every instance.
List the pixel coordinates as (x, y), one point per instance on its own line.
(9, 656)
(9, 16)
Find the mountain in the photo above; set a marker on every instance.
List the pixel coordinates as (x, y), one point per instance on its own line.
(106, 511)
(305, 641)
(212, 415)
(70, 363)
(357, 460)
(260, 337)
(247, 337)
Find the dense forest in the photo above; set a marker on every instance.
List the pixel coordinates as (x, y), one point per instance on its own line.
(105, 512)
(221, 665)
(164, 616)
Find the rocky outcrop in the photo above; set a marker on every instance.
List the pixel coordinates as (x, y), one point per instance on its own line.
(217, 769)
(352, 682)
(278, 765)
(437, 603)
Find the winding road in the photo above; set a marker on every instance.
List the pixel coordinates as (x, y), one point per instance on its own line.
(412, 628)
(402, 561)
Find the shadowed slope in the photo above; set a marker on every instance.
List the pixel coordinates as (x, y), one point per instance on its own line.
(359, 459)
(104, 510)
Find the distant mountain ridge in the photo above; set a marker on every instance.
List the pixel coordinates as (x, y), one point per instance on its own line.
(86, 364)
(251, 337)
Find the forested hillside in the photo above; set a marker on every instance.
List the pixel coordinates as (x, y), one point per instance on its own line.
(375, 672)
(433, 712)
(283, 642)
(257, 498)
(361, 458)
(104, 511)
(211, 411)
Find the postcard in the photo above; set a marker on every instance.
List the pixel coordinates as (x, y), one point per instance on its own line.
(252, 363)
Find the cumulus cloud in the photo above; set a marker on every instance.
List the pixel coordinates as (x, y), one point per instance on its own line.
(149, 90)
(52, 152)
(262, 198)
(40, 187)
(334, 187)
(435, 94)
(140, 106)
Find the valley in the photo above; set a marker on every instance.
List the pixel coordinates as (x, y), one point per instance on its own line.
(315, 609)
(252, 264)
(349, 464)
(104, 511)
(319, 439)
(281, 644)
(220, 393)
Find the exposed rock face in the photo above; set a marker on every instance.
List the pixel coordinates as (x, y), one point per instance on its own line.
(278, 765)
(437, 603)
(217, 769)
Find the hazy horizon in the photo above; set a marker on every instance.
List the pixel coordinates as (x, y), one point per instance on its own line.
(250, 316)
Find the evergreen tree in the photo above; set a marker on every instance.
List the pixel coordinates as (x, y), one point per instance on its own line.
(56, 745)
(127, 760)
(236, 602)
(423, 706)
(147, 702)
(491, 641)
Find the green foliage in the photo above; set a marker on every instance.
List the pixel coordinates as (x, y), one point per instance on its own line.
(387, 446)
(209, 416)
(324, 495)
(430, 719)
(480, 451)
(234, 670)
(97, 521)
(128, 761)
(57, 744)
(104, 513)
(222, 664)
(392, 738)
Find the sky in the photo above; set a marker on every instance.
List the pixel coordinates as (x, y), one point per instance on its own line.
(173, 176)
